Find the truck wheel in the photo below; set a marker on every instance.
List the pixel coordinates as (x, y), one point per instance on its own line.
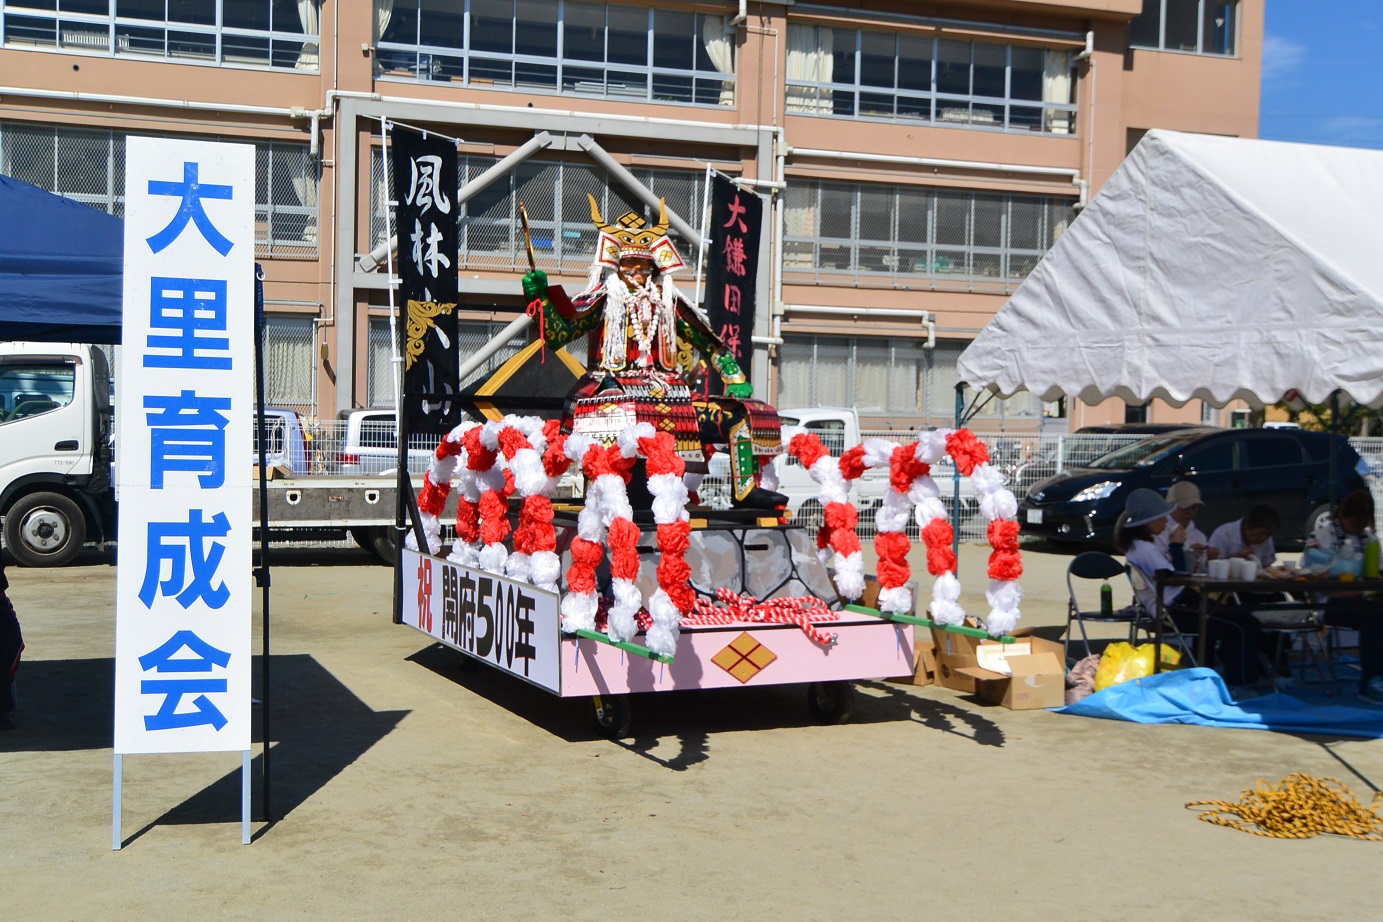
(378, 539)
(810, 515)
(45, 530)
(612, 715)
(830, 702)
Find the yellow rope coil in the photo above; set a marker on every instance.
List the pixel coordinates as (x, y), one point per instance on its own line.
(1299, 807)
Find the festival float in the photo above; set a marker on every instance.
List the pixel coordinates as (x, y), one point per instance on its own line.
(637, 588)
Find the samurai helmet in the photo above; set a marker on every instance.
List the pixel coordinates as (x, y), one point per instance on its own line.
(630, 237)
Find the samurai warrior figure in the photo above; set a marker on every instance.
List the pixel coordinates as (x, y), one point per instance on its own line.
(642, 335)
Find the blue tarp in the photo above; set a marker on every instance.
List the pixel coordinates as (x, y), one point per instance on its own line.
(61, 268)
(1199, 696)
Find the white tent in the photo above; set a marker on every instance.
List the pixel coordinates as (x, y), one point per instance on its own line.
(1206, 268)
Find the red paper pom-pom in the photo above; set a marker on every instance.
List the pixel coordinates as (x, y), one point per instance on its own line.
(1003, 535)
(555, 460)
(893, 573)
(494, 517)
(447, 448)
(939, 537)
(904, 468)
(1005, 565)
(511, 440)
(585, 557)
(467, 520)
(624, 549)
(674, 537)
(967, 450)
(842, 516)
(661, 452)
(478, 457)
(852, 463)
(807, 448)
(433, 498)
(892, 548)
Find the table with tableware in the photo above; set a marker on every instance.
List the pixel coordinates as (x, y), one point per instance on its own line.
(1288, 580)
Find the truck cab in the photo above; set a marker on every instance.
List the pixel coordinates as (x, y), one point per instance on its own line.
(55, 448)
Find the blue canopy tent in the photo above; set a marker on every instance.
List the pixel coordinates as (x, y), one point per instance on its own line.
(61, 268)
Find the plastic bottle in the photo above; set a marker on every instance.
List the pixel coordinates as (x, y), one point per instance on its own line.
(1370, 554)
(1106, 599)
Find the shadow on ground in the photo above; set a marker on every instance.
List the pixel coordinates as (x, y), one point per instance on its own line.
(692, 718)
(318, 725)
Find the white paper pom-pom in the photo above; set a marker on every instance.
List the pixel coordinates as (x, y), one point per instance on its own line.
(616, 499)
(1003, 593)
(923, 489)
(489, 434)
(493, 557)
(931, 446)
(824, 469)
(662, 636)
(986, 478)
(627, 601)
(628, 439)
(896, 600)
(578, 611)
(519, 567)
(576, 445)
(878, 452)
(529, 476)
(929, 509)
(465, 554)
(769, 476)
(850, 575)
(1001, 621)
(546, 569)
(998, 505)
(893, 513)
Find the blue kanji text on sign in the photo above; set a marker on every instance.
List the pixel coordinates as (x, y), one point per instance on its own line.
(190, 192)
(185, 546)
(187, 433)
(202, 658)
(191, 309)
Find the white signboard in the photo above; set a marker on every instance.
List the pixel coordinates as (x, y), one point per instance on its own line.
(510, 625)
(183, 593)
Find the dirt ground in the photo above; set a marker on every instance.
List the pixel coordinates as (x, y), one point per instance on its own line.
(403, 787)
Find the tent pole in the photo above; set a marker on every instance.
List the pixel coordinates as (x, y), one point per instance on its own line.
(955, 480)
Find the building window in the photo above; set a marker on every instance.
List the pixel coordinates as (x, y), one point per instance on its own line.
(897, 235)
(89, 166)
(895, 378)
(245, 33)
(1196, 26)
(554, 194)
(568, 47)
(290, 361)
(857, 73)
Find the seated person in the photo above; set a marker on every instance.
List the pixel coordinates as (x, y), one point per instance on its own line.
(1353, 515)
(1185, 544)
(1232, 636)
(1249, 537)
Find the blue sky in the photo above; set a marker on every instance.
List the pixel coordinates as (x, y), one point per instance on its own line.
(1323, 72)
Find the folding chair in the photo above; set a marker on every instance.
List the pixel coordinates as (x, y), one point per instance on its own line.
(1185, 641)
(1304, 621)
(1085, 569)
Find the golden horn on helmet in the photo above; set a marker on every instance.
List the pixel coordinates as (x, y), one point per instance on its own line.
(661, 229)
(595, 214)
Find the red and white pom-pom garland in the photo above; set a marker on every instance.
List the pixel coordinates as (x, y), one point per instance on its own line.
(840, 516)
(997, 505)
(674, 596)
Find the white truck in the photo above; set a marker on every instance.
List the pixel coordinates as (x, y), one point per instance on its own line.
(57, 457)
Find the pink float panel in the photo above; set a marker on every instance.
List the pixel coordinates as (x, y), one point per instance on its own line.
(868, 648)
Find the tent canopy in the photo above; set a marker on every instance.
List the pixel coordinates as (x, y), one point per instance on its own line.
(61, 268)
(1206, 268)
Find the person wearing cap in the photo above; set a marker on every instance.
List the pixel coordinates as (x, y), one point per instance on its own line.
(1232, 636)
(1181, 538)
(643, 332)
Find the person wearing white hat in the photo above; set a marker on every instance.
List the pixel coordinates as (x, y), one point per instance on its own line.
(1181, 536)
(1232, 636)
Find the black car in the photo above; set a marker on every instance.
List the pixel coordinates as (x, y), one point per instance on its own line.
(1079, 449)
(1234, 468)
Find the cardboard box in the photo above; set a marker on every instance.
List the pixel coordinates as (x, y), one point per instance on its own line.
(1038, 677)
(924, 664)
(954, 654)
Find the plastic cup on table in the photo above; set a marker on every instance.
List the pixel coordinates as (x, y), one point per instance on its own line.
(1248, 569)
(1218, 569)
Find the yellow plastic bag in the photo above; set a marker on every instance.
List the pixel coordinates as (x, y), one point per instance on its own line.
(1122, 662)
